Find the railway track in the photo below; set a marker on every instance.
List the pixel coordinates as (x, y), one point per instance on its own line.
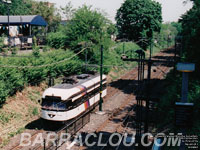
(122, 115)
(125, 117)
(33, 136)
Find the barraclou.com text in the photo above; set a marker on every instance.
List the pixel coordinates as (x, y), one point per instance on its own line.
(127, 140)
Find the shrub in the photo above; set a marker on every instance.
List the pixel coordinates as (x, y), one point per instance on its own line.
(1, 43)
(14, 50)
(56, 40)
(36, 51)
(35, 111)
(14, 79)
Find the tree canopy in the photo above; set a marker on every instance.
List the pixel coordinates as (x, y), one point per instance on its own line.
(17, 7)
(86, 25)
(68, 11)
(138, 19)
(191, 33)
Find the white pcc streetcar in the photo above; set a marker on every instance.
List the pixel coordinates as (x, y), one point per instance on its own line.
(74, 96)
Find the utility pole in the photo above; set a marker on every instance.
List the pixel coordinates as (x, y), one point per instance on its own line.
(183, 106)
(123, 47)
(7, 2)
(8, 22)
(101, 76)
(141, 97)
(151, 48)
(86, 58)
(123, 44)
(141, 57)
(148, 87)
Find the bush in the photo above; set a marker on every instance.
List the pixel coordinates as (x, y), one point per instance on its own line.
(56, 40)
(14, 79)
(1, 44)
(46, 48)
(14, 50)
(36, 51)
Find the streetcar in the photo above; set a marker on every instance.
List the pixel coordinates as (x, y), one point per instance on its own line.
(76, 94)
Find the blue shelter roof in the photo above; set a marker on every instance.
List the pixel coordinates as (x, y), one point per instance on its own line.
(34, 20)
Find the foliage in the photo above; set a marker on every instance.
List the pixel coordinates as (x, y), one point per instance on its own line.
(167, 35)
(86, 25)
(56, 39)
(68, 11)
(166, 104)
(138, 19)
(1, 43)
(46, 48)
(35, 111)
(14, 79)
(178, 26)
(36, 51)
(127, 48)
(14, 50)
(17, 7)
(88, 28)
(49, 13)
(191, 34)
(111, 29)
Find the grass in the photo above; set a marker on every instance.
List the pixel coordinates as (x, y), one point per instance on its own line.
(126, 47)
(35, 111)
(34, 96)
(122, 67)
(6, 117)
(19, 131)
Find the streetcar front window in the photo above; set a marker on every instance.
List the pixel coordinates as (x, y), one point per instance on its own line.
(53, 104)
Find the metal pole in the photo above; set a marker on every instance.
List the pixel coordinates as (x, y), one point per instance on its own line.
(175, 52)
(168, 42)
(184, 87)
(101, 76)
(184, 100)
(85, 59)
(44, 142)
(147, 100)
(150, 48)
(8, 24)
(30, 30)
(123, 47)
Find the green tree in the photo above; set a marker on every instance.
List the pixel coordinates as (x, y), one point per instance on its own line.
(111, 29)
(49, 13)
(87, 25)
(68, 11)
(17, 7)
(166, 35)
(191, 34)
(138, 19)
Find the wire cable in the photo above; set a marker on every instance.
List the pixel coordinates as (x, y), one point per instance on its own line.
(46, 65)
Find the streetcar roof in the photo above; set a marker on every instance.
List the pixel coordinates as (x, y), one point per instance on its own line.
(66, 91)
(79, 82)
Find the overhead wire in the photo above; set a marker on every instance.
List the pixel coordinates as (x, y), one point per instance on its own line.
(41, 66)
(5, 55)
